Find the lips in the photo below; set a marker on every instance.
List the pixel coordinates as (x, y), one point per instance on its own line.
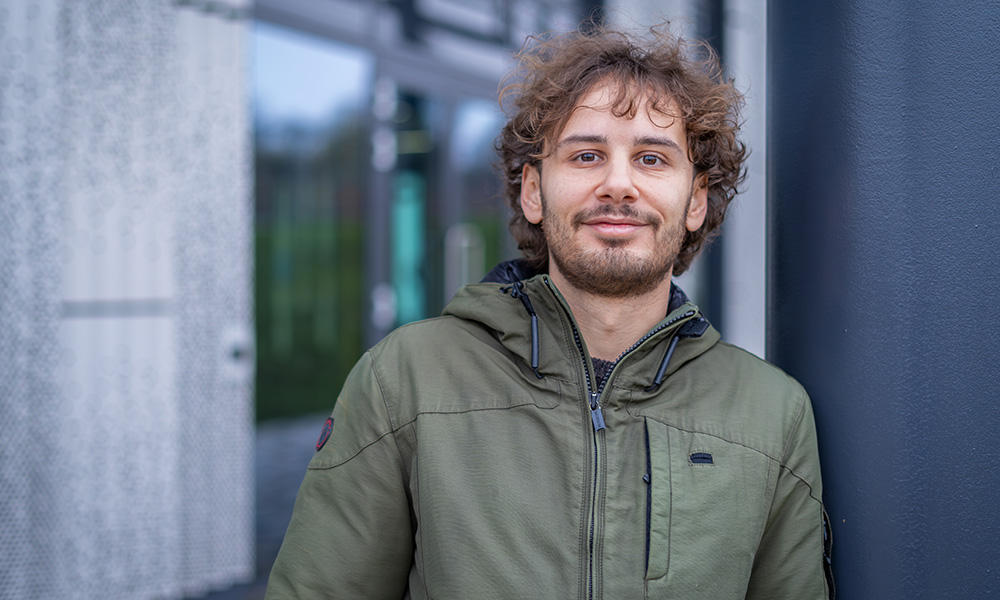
(613, 229)
(614, 223)
(624, 216)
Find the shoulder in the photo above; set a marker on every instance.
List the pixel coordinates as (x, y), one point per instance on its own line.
(413, 337)
(771, 402)
(420, 349)
(450, 364)
(753, 375)
(368, 407)
(729, 392)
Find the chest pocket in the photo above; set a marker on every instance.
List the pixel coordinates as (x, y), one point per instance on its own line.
(707, 506)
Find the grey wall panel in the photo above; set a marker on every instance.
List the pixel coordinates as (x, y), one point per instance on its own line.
(883, 122)
(126, 419)
(30, 274)
(213, 274)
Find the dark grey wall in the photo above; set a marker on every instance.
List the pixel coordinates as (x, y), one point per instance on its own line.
(884, 144)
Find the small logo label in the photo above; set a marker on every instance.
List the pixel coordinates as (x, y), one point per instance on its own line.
(325, 434)
(702, 458)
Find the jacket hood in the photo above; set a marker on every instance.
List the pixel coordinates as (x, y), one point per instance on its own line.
(530, 318)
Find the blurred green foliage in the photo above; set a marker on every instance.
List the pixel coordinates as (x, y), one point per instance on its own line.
(309, 282)
(309, 325)
(309, 262)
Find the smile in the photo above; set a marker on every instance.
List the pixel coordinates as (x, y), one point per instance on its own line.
(614, 227)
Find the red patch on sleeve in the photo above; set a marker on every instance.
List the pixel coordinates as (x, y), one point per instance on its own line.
(325, 434)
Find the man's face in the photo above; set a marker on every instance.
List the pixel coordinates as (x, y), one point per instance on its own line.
(614, 197)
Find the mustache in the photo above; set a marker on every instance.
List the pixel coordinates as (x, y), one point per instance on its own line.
(611, 210)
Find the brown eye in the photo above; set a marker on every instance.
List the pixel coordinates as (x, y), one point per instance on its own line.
(650, 161)
(587, 157)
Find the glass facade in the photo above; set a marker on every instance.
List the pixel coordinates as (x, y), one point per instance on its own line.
(309, 119)
(375, 200)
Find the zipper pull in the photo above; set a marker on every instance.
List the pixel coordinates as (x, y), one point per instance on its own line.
(596, 414)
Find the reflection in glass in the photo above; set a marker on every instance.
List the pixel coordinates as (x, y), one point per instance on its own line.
(477, 123)
(310, 98)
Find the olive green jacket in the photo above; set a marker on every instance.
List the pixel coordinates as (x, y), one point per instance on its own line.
(454, 471)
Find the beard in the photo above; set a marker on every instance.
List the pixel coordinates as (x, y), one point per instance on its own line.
(613, 271)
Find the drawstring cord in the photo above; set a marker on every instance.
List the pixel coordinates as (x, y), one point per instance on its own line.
(693, 328)
(517, 291)
(663, 364)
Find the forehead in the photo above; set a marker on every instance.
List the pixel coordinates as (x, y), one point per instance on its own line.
(615, 106)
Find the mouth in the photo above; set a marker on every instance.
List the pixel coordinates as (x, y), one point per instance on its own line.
(607, 220)
(614, 225)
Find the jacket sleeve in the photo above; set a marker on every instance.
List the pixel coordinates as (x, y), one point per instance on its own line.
(350, 535)
(791, 559)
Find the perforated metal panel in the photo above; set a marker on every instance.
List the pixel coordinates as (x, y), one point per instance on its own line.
(126, 425)
(30, 270)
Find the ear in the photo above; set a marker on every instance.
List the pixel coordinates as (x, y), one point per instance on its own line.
(531, 194)
(698, 207)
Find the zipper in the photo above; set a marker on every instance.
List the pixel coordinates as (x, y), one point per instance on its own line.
(648, 478)
(597, 415)
(597, 420)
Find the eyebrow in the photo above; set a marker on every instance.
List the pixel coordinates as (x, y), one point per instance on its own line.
(600, 139)
(658, 141)
(582, 139)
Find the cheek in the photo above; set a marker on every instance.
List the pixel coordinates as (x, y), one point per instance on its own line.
(568, 188)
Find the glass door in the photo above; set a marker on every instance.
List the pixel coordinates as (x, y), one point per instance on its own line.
(444, 220)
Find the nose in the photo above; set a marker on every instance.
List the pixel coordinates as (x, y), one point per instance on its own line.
(618, 181)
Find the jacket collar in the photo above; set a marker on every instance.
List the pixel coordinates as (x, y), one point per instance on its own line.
(552, 342)
(520, 269)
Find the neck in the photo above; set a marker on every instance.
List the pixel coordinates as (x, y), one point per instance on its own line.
(610, 326)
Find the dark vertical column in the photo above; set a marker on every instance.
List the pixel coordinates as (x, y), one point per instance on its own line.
(710, 26)
(594, 11)
(883, 126)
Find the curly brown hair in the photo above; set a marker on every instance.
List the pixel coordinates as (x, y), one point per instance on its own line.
(554, 74)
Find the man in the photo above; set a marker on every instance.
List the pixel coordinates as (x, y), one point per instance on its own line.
(574, 427)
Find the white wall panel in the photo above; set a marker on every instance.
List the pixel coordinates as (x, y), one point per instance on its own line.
(744, 253)
(118, 432)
